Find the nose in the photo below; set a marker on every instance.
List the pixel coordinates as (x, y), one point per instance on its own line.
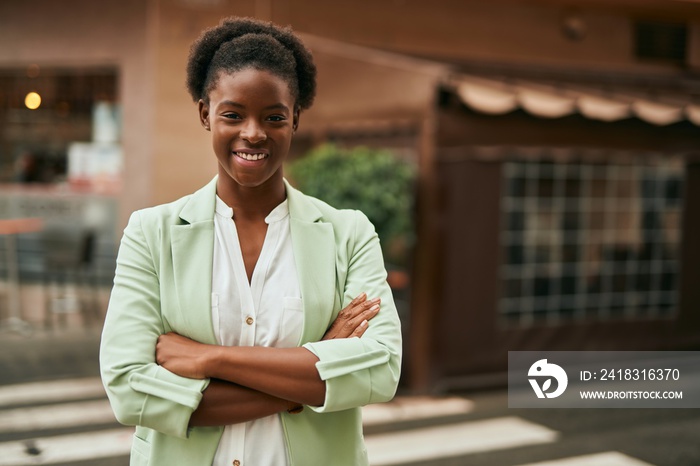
(253, 132)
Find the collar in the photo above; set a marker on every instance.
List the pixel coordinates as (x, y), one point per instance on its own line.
(201, 205)
(277, 214)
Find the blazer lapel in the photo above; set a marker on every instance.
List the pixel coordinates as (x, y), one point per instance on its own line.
(192, 245)
(314, 252)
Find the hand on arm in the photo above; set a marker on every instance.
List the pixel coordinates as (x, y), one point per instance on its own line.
(354, 319)
(262, 379)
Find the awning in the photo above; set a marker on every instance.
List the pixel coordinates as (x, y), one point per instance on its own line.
(495, 96)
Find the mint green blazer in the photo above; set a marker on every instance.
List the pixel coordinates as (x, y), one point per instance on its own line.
(163, 283)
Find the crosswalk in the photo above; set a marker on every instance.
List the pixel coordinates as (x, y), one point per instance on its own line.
(70, 421)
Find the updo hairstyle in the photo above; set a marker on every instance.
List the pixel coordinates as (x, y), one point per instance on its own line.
(238, 43)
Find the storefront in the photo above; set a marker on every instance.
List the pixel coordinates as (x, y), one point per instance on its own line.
(61, 169)
(560, 220)
(69, 91)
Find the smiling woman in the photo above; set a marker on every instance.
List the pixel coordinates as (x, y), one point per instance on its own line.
(239, 306)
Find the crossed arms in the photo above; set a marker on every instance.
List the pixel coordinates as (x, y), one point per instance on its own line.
(250, 382)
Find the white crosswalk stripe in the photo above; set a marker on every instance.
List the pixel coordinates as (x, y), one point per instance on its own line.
(68, 448)
(36, 413)
(56, 416)
(455, 440)
(414, 408)
(52, 391)
(609, 458)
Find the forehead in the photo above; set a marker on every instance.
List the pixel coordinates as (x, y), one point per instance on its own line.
(252, 87)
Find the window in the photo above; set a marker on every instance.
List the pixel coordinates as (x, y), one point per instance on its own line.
(47, 113)
(661, 41)
(590, 240)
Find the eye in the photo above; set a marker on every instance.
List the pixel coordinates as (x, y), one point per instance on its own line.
(277, 118)
(231, 116)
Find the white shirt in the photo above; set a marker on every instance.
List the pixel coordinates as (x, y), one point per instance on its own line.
(266, 312)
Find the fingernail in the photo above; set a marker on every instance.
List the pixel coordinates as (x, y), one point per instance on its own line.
(376, 300)
(374, 308)
(364, 323)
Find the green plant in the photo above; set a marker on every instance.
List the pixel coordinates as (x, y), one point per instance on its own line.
(371, 180)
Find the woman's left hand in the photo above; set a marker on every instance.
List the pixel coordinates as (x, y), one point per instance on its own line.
(182, 356)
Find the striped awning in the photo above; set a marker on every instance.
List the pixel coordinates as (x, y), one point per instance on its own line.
(499, 96)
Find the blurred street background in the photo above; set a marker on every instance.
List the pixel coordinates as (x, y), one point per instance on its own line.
(532, 168)
(65, 419)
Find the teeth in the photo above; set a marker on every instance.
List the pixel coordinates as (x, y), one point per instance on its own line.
(250, 156)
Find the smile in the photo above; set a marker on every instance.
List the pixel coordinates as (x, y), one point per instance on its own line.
(251, 157)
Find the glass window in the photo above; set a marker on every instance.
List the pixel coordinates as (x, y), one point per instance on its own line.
(595, 241)
(58, 124)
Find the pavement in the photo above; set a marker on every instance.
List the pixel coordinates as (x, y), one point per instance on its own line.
(53, 411)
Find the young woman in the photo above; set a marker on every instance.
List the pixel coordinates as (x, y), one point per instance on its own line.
(244, 326)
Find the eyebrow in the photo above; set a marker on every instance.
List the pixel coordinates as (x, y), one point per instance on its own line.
(279, 106)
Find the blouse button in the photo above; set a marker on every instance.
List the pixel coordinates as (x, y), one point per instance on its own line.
(236, 463)
(248, 321)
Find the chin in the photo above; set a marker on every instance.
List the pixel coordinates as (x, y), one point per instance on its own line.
(250, 181)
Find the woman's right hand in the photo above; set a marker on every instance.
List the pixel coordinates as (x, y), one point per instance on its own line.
(354, 319)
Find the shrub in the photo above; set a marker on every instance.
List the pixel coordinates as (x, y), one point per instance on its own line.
(371, 180)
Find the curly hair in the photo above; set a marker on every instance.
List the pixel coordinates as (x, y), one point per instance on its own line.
(238, 43)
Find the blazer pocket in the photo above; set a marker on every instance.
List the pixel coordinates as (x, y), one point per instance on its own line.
(140, 452)
(291, 323)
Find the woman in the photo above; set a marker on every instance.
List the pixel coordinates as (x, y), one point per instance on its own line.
(224, 341)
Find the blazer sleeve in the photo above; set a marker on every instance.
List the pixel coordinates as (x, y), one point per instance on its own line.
(360, 371)
(140, 391)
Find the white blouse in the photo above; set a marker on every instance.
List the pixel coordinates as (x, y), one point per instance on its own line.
(265, 312)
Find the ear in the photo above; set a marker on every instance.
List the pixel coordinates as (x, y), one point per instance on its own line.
(204, 114)
(295, 120)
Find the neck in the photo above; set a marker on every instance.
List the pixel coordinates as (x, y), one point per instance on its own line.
(251, 203)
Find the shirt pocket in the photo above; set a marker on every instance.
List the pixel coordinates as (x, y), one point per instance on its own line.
(291, 323)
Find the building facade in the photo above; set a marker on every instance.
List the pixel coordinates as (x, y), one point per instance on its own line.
(555, 142)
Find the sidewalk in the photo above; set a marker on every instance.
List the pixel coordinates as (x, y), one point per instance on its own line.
(49, 356)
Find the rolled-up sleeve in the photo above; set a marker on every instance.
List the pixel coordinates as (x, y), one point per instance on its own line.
(360, 371)
(140, 391)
